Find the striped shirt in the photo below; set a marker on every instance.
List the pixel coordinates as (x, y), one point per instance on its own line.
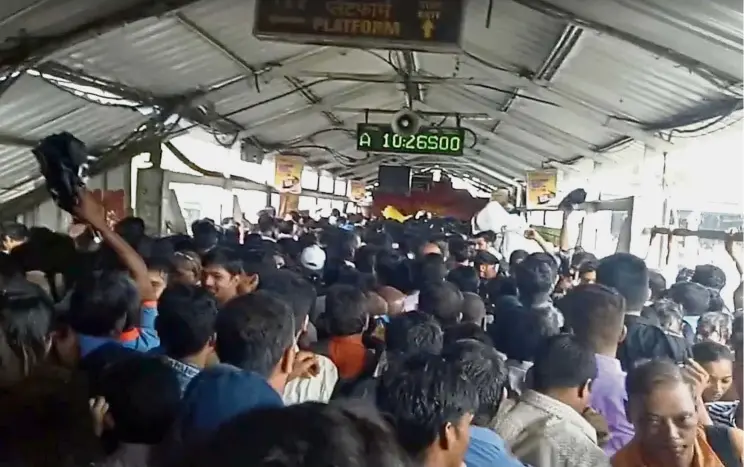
(723, 413)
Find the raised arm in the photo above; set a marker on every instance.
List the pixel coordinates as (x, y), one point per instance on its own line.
(92, 213)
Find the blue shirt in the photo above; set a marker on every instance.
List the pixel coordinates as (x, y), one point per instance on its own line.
(487, 449)
(146, 337)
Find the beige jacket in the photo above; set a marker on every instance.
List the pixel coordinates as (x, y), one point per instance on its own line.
(544, 432)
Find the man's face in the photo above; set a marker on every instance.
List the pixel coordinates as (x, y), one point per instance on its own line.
(721, 377)
(481, 243)
(222, 284)
(666, 422)
(588, 277)
(458, 439)
(488, 271)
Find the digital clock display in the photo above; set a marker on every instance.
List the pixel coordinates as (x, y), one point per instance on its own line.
(446, 141)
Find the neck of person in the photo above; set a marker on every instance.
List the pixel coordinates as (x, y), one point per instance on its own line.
(198, 360)
(606, 350)
(535, 300)
(565, 395)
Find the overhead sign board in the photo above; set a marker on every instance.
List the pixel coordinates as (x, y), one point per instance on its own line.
(446, 141)
(428, 25)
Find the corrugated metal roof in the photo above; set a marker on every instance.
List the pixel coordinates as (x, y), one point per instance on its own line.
(32, 109)
(30, 18)
(632, 64)
(634, 83)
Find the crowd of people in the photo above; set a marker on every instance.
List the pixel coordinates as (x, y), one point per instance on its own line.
(350, 342)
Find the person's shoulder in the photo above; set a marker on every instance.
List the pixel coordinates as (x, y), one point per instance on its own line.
(737, 439)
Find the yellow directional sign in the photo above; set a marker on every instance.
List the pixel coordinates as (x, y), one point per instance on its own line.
(428, 27)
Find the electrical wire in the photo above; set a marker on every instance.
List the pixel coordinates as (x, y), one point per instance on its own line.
(733, 122)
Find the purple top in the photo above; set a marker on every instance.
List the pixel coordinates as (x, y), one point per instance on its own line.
(609, 398)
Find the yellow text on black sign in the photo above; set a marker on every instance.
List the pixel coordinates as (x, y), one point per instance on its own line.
(358, 19)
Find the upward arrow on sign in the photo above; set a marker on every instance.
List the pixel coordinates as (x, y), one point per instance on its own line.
(428, 28)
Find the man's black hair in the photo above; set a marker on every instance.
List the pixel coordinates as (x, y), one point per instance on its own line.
(563, 362)
(693, 297)
(459, 249)
(345, 310)
(365, 258)
(465, 278)
(709, 352)
(309, 435)
(484, 258)
(657, 283)
(529, 330)
(487, 235)
(26, 315)
(627, 274)
(163, 265)
(473, 308)
(516, 257)
(484, 367)
(144, 397)
(14, 231)
(596, 315)
(225, 258)
(536, 276)
(709, 275)
(392, 270)
(421, 396)
(443, 300)
(294, 289)
(266, 224)
(131, 228)
(413, 332)
(429, 269)
(186, 319)
(103, 304)
(664, 313)
(581, 258)
(254, 331)
(206, 234)
(285, 227)
(469, 331)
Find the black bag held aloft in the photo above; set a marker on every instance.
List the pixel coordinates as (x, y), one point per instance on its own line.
(64, 162)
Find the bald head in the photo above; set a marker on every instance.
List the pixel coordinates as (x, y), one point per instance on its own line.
(394, 299)
(430, 248)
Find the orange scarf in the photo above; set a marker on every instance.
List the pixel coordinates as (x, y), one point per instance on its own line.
(631, 456)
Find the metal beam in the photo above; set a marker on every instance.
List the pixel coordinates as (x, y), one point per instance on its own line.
(580, 18)
(327, 104)
(573, 104)
(249, 69)
(518, 121)
(30, 50)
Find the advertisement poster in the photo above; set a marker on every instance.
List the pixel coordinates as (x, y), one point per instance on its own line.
(288, 173)
(542, 189)
(357, 191)
(288, 202)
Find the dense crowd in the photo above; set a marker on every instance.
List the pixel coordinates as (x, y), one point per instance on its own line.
(356, 342)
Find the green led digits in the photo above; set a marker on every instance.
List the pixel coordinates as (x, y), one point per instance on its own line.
(429, 140)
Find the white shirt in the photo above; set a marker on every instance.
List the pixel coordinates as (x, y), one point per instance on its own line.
(319, 388)
(410, 303)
